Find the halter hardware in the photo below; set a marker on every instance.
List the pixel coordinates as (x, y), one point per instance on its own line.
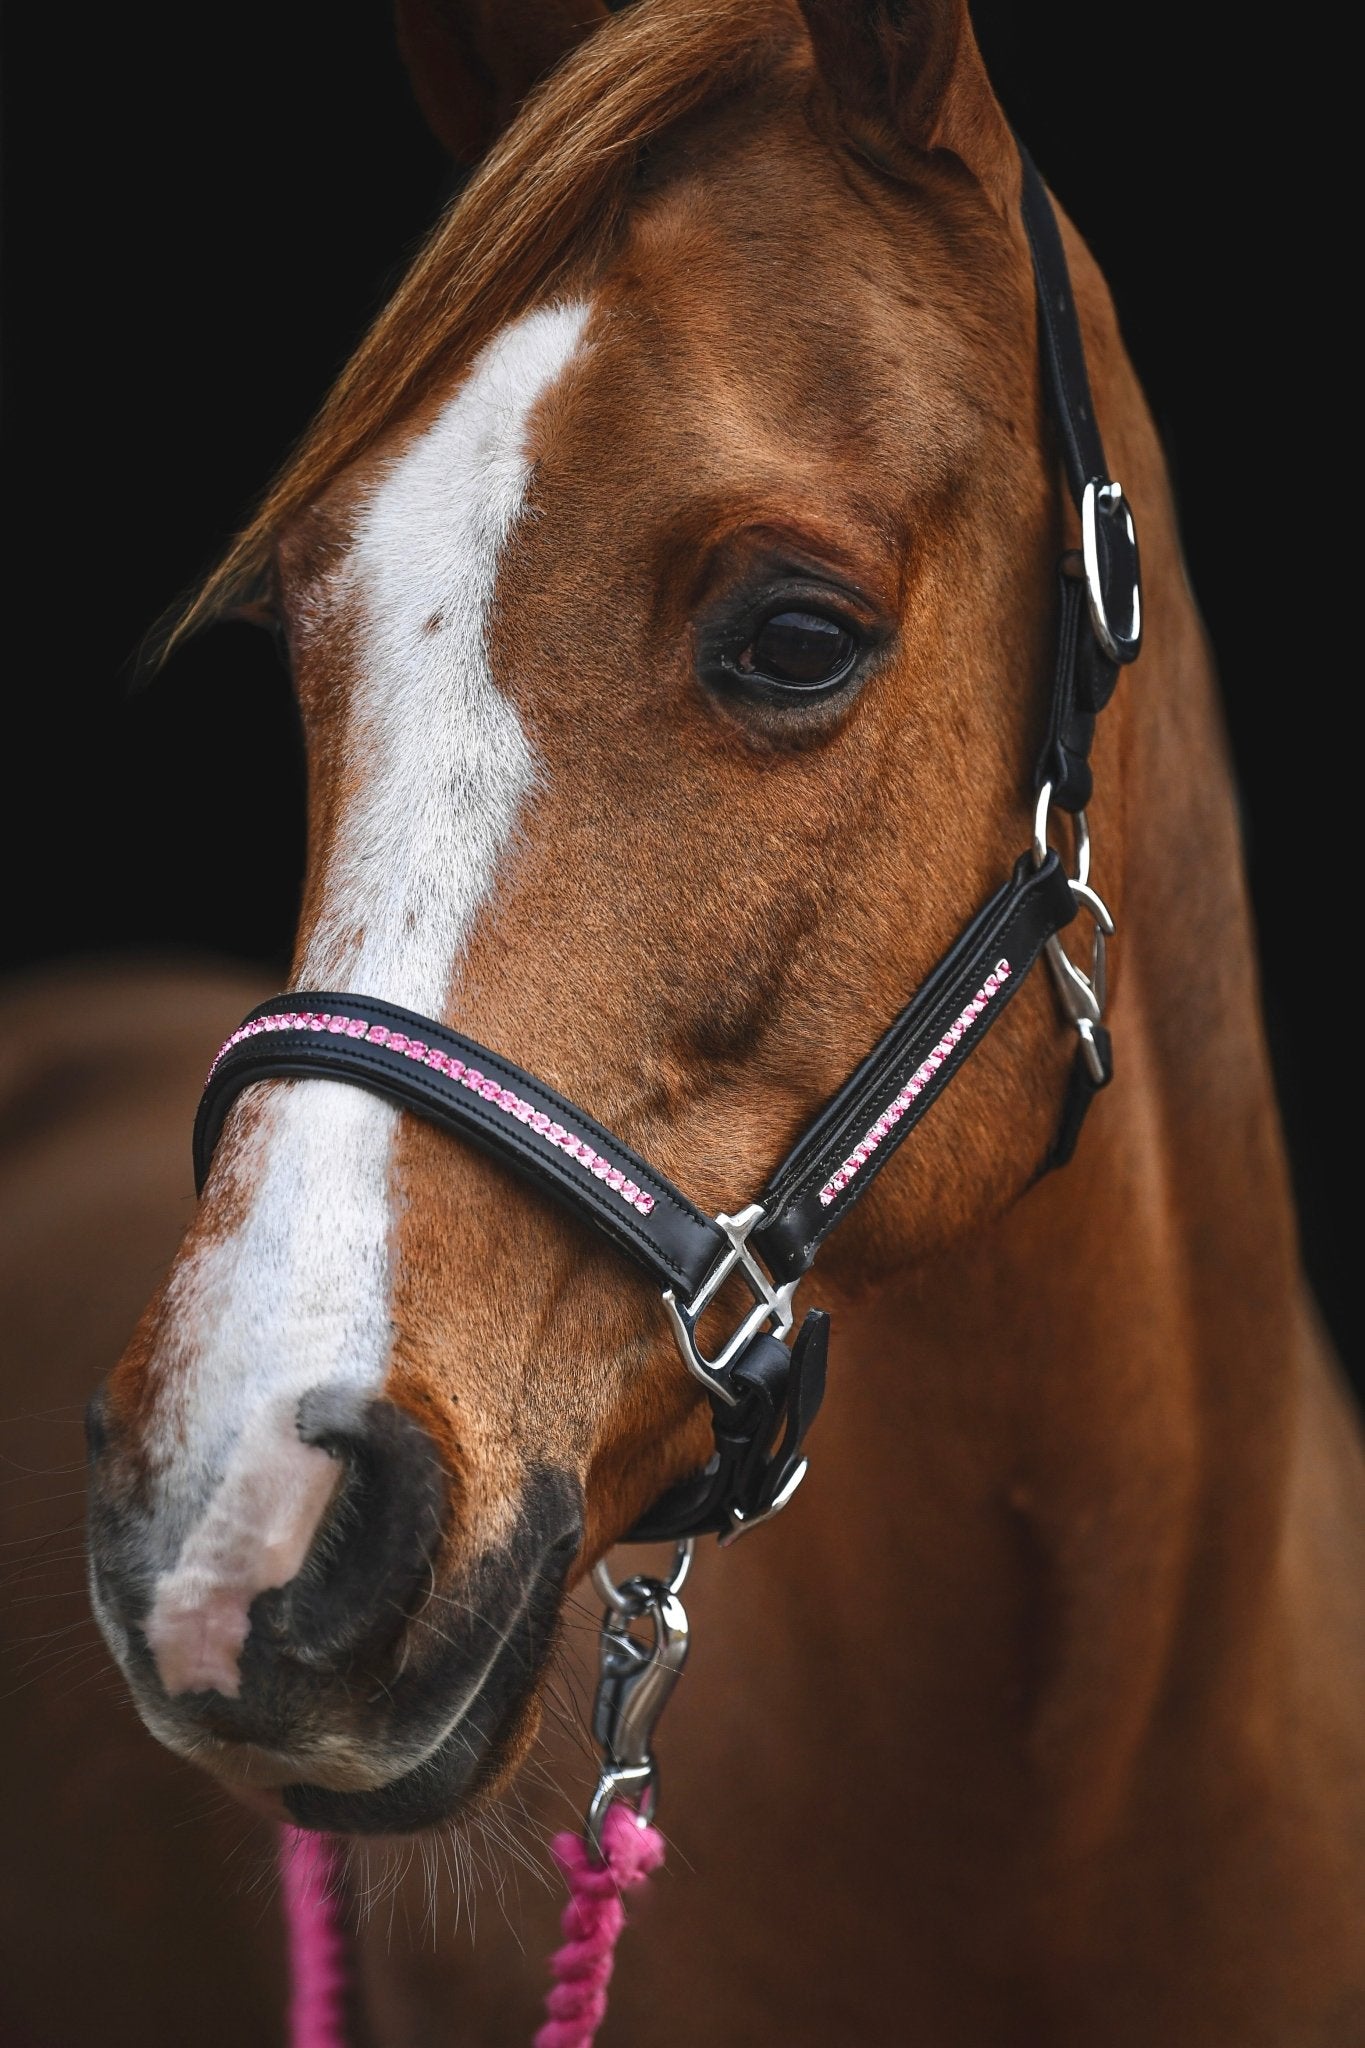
(1082, 996)
(772, 1305)
(1110, 552)
(635, 1680)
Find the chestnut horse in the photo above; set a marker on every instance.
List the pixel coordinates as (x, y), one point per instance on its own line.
(668, 589)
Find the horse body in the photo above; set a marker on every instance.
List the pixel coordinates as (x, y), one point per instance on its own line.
(1038, 1720)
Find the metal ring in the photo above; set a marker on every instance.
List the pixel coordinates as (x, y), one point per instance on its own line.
(1041, 816)
(1096, 905)
(1105, 500)
(619, 1599)
(642, 1785)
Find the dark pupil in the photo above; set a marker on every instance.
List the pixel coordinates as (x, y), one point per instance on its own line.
(800, 648)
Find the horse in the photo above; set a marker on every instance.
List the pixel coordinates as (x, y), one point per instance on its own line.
(667, 584)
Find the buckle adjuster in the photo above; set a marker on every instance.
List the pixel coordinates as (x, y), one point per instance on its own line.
(1112, 575)
(772, 1305)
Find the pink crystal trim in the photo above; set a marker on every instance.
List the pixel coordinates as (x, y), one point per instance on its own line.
(491, 1092)
(923, 1073)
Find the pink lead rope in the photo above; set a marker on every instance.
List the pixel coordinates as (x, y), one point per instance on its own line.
(310, 1884)
(617, 1851)
(576, 2004)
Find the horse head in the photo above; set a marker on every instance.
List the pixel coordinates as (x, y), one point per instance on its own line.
(667, 585)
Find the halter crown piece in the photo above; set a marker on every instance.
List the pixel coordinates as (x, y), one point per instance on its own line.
(764, 1386)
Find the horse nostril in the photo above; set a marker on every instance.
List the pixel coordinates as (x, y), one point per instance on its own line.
(270, 1615)
(373, 1550)
(297, 1566)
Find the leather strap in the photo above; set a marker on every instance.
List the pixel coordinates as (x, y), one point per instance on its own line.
(1085, 669)
(1065, 758)
(319, 1035)
(837, 1159)
(489, 1101)
(1081, 1089)
(1059, 331)
(476, 1094)
(746, 1478)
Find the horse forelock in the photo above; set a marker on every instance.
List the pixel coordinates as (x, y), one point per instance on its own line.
(548, 197)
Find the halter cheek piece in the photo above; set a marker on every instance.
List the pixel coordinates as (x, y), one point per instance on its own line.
(765, 1390)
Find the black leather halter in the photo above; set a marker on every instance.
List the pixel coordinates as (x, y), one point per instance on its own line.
(760, 1389)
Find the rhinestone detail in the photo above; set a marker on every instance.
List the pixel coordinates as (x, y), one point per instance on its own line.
(505, 1100)
(952, 1038)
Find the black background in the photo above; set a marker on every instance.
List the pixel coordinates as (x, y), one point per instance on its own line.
(203, 211)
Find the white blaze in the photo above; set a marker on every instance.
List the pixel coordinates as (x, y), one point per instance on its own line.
(298, 1296)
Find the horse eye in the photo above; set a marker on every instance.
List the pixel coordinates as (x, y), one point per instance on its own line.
(803, 650)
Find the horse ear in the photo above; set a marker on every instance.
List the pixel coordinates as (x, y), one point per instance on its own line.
(472, 62)
(907, 76)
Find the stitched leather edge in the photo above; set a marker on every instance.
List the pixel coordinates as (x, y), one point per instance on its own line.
(659, 1184)
(889, 1064)
(303, 1054)
(1063, 351)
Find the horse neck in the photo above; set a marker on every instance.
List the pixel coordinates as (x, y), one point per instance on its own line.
(1075, 1425)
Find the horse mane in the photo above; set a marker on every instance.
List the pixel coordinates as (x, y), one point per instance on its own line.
(551, 192)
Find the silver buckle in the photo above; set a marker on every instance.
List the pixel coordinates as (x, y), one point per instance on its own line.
(771, 1305)
(1082, 995)
(633, 1687)
(1106, 501)
(741, 1524)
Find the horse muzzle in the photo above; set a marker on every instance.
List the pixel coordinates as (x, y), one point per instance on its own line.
(382, 1684)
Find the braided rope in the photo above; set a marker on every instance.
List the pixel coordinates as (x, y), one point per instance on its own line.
(577, 2001)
